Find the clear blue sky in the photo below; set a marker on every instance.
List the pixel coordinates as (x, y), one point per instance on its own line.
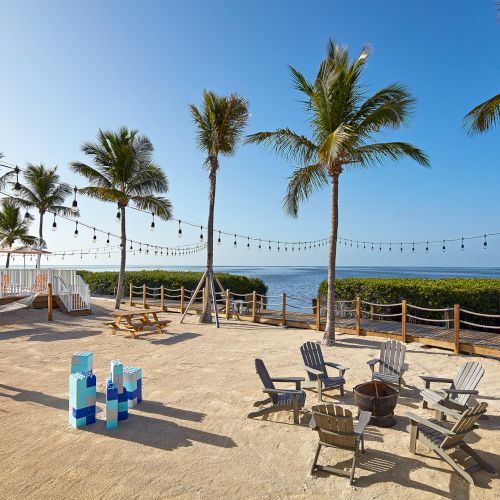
(68, 68)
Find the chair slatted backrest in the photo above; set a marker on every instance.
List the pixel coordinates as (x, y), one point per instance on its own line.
(335, 425)
(313, 358)
(464, 425)
(392, 357)
(265, 377)
(467, 378)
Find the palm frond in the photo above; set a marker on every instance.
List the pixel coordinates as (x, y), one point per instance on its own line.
(372, 154)
(91, 174)
(301, 185)
(103, 193)
(158, 205)
(483, 117)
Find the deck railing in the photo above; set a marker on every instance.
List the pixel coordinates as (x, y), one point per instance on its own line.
(441, 327)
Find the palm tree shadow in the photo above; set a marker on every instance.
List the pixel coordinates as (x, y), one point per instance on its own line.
(173, 339)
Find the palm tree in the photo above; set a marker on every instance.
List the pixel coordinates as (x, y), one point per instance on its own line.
(44, 192)
(343, 121)
(124, 173)
(484, 116)
(219, 125)
(13, 227)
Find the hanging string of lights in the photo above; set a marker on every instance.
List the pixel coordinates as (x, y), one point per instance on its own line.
(390, 246)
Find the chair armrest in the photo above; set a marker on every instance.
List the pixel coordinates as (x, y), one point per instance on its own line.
(430, 379)
(297, 380)
(364, 419)
(445, 410)
(405, 368)
(336, 365)
(372, 362)
(312, 370)
(282, 391)
(427, 423)
(461, 391)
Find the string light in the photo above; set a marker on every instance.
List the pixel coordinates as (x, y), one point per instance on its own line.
(54, 224)
(235, 241)
(444, 246)
(76, 230)
(17, 185)
(201, 233)
(485, 244)
(179, 232)
(153, 222)
(462, 246)
(248, 243)
(218, 239)
(107, 241)
(94, 239)
(74, 205)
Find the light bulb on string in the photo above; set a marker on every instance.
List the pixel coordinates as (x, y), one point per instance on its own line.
(269, 245)
(401, 249)
(234, 241)
(443, 248)
(485, 244)
(364, 245)
(413, 247)
(94, 239)
(278, 246)
(17, 185)
(372, 247)
(260, 244)
(152, 222)
(107, 240)
(74, 205)
(427, 247)
(118, 215)
(75, 234)
(380, 247)
(201, 233)
(179, 232)
(140, 248)
(462, 246)
(248, 242)
(219, 239)
(147, 249)
(27, 215)
(54, 224)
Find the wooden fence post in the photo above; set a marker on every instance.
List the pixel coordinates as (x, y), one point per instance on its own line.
(358, 316)
(144, 297)
(403, 321)
(318, 313)
(202, 298)
(283, 311)
(228, 303)
(372, 312)
(254, 306)
(182, 300)
(456, 328)
(49, 301)
(131, 300)
(162, 297)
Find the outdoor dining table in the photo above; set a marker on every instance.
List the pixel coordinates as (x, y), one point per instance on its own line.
(137, 320)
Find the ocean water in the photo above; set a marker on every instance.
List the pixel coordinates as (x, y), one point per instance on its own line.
(303, 281)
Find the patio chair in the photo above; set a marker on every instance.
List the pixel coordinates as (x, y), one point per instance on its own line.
(315, 367)
(443, 440)
(40, 283)
(458, 394)
(391, 363)
(5, 283)
(279, 399)
(336, 429)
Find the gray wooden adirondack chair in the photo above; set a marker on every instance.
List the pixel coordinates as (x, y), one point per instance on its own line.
(315, 367)
(461, 388)
(443, 440)
(336, 429)
(391, 363)
(279, 399)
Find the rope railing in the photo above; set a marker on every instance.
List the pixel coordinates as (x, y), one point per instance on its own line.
(443, 320)
(429, 309)
(382, 315)
(379, 305)
(479, 326)
(496, 316)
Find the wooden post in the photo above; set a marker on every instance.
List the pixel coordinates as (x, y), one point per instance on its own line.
(202, 298)
(403, 321)
(283, 311)
(49, 301)
(131, 300)
(372, 312)
(254, 306)
(358, 316)
(318, 313)
(144, 297)
(456, 328)
(162, 297)
(228, 302)
(182, 300)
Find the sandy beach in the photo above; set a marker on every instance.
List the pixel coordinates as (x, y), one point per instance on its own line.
(190, 438)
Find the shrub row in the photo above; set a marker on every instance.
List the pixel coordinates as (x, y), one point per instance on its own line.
(105, 283)
(478, 295)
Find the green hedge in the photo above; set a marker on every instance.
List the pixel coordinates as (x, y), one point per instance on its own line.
(478, 295)
(104, 283)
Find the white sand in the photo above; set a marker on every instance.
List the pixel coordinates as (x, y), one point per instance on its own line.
(190, 438)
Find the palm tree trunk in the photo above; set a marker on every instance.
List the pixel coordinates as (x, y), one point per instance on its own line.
(7, 262)
(40, 234)
(206, 314)
(329, 337)
(123, 260)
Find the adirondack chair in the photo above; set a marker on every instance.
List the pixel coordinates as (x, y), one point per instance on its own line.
(315, 367)
(391, 363)
(462, 387)
(280, 399)
(443, 440)
(336, 429)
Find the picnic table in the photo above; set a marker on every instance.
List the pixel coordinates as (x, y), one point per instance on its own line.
(137, 320)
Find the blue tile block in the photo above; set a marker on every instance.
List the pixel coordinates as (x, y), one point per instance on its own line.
(122, 415)
(123, 397)
(78, 423)
(90, 419)
(83, 412)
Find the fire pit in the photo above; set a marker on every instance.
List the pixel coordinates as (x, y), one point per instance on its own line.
(378, 398)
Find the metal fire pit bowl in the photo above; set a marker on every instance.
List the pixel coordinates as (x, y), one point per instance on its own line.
(378, 398)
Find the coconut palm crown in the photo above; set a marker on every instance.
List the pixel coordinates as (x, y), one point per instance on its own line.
(343, 122)
(124, 173)
(483, 117)
(219, 126)
(14, 226)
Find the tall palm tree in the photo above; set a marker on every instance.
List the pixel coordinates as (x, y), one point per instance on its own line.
(219, 125)
(43, 191)
(343, 121)
(484, 116)
(124, 173)
(13, 227)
